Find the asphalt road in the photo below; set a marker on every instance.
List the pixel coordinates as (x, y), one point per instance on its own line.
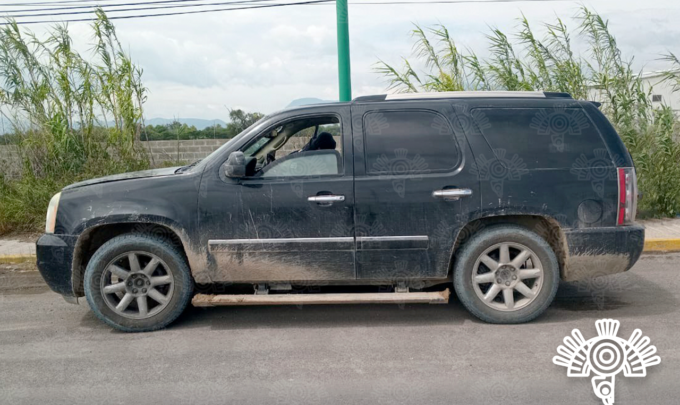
(57, 353)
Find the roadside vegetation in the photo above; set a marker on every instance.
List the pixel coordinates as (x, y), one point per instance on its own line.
(57, 103)
(523, 61)
(239, 120)
(70, 117)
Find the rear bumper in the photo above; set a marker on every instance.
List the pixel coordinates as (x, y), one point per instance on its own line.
(594, 252)
(55, 257)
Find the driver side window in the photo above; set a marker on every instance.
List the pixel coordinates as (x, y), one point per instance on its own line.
(306, 164)
(304, 147)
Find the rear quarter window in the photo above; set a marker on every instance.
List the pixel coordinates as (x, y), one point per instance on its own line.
(544, 138)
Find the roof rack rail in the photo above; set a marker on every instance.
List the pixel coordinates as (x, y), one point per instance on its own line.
(554, 94)
(463, 94)
(379, 97)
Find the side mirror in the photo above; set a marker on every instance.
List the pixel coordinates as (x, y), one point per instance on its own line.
(235, 166)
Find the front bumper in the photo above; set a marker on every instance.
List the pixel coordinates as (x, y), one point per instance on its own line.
(594, 252)
(55, 258)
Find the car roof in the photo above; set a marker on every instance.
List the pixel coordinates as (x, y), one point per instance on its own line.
(444, 95)
(462, 94)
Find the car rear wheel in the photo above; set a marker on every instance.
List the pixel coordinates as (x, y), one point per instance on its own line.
(506, 274)
(138, 283)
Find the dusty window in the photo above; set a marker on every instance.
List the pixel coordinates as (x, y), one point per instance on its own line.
(408, 142)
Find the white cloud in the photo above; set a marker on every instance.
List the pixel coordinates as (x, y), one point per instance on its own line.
(260, 60)
(314, 34)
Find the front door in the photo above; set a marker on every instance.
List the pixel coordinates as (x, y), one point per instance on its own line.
(291, 219)
(414, 189)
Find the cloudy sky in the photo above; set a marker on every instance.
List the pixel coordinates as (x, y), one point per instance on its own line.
(201, 65)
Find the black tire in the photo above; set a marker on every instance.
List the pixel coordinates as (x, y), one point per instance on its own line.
(479, 243)
(182, 288)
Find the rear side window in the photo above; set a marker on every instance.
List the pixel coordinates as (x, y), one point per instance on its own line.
(544, 138)
(408, 142)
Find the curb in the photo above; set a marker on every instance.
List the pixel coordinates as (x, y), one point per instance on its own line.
(651, 245)
(662, 245)
(13, 259)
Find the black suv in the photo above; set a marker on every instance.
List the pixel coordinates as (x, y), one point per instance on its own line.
(384, 199)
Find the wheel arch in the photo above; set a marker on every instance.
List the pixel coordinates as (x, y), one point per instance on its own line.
(94, 237)
(546, 227)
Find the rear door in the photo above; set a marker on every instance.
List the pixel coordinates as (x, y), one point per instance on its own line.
(412, 194)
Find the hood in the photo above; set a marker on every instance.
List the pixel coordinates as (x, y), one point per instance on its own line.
(168, 171)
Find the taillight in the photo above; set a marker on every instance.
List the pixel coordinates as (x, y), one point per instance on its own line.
(627, 204)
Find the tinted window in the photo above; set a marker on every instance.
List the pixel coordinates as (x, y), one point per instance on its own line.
(407, 142)
(542, 137)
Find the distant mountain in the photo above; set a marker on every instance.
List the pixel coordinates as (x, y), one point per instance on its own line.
(308, 101)
(196, 122)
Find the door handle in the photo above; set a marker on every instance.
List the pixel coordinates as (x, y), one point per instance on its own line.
(452, 193)
(328, 199)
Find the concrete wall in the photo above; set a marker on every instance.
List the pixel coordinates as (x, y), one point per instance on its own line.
(163, 152)
(182, 151)
(189, 151)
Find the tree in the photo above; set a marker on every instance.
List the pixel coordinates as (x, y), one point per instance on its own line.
(240, 120)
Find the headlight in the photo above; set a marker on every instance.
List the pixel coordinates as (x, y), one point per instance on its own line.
(52, 213)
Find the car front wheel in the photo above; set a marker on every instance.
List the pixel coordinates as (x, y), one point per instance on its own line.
(138, 283)
(506, 274)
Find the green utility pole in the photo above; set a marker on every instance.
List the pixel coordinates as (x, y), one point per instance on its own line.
(344, 72)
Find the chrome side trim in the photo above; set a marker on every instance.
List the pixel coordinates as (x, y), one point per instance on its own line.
(281, 240)
(418, 238)
(417, 242)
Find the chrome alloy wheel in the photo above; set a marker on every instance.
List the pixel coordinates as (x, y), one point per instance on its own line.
(507, 276)
(137, 285)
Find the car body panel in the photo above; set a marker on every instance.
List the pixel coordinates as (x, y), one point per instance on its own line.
(582, 194)
(403, 231)
(168, 201)
(596, 252)
(260, 230)
(167, 171)
(54, 259)
(389, 229)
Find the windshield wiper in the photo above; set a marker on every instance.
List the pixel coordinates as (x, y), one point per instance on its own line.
(187, 167)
